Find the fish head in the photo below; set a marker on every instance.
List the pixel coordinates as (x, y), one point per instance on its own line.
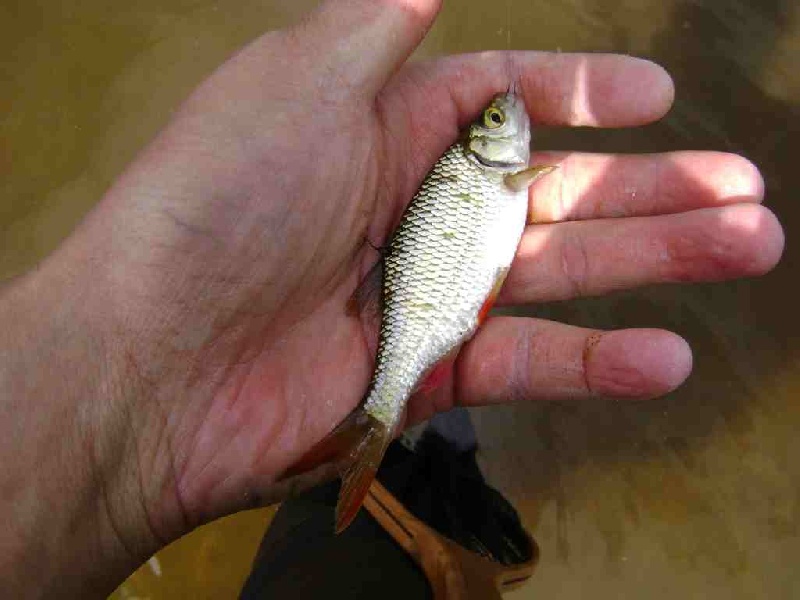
(500, 137)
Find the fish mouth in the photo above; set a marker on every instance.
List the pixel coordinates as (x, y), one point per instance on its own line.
(513, 159)
(499, 164)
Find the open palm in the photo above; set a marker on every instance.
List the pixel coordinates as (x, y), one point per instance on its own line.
(244, 229)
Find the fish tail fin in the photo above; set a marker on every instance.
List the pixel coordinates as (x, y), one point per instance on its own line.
(336, 447)
(365, 458)
(357, 444)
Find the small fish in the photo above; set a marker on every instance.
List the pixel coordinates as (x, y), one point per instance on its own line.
(440, 275)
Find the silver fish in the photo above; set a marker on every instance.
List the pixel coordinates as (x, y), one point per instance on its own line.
(440, 274)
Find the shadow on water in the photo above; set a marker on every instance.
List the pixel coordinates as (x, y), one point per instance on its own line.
(703, 477)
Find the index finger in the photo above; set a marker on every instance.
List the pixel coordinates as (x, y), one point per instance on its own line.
(430, 102)
(597, 90)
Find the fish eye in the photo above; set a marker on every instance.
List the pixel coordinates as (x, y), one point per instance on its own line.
(493, 117)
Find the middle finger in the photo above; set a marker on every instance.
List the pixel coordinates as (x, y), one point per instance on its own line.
(566, 260)
(591, 186)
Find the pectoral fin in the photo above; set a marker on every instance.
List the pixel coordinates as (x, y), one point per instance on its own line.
(522, 180)
(367, 301)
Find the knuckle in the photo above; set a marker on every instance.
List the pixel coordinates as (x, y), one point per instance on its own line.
(590, 342)
(520, 383)
(574, 263)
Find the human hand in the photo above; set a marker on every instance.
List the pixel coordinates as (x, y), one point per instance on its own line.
(241, 233)
(223, 260)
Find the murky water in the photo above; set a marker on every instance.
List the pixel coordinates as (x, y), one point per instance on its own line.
(694, 495)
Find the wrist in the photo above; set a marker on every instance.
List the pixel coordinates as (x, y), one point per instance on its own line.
(71, 474)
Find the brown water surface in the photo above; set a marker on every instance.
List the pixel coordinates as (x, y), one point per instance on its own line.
(695, 495)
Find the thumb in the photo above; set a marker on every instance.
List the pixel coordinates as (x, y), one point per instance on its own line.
(363, 42)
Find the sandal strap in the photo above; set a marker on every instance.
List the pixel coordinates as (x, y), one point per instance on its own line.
(453, 572)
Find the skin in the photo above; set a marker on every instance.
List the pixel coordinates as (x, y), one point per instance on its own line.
(192, 338)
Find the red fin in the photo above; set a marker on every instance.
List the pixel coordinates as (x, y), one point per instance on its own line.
(483, 313)
(439, 374)
(335, 446)
(356, 480)
(352, 497)
(437, 377)
(358, 443)
(486, 308)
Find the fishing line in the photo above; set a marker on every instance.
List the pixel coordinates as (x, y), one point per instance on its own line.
(508, 24)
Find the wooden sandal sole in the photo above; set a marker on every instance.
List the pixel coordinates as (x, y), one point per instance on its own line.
(453, 572)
